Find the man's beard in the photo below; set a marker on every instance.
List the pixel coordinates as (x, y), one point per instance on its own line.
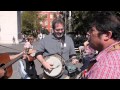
(98, 47)
(58, 36)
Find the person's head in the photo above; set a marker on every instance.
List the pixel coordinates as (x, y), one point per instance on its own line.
(104, 30)
(58, 28)
(30, 39)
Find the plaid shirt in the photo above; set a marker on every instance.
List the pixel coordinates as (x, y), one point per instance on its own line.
(107, 65)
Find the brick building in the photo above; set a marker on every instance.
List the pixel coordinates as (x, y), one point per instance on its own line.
(50, 15)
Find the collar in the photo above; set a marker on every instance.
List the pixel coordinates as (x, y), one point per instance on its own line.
(105, 51)
(53, 37)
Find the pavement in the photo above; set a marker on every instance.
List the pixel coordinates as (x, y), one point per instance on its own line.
(17, 48)
(13, 49)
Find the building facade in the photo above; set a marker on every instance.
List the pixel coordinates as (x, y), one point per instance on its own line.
(50, 16)
(10, 27)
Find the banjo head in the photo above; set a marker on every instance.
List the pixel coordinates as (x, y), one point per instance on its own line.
(57, 62)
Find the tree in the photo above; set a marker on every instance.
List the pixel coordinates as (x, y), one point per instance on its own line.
(31, 22)
(81, 19)
(44, 31)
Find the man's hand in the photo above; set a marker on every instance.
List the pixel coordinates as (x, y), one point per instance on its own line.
(31, 51)
(75, 61)
(2, 72)
(47, 66)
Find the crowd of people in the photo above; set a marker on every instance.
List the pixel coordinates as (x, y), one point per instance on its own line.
(101, 47)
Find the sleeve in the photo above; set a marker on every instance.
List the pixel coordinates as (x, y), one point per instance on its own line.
(101, 72)
(41, 48)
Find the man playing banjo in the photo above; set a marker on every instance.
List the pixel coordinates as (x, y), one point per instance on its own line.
(60, 44)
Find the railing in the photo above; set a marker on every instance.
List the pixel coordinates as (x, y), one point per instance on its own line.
(77, 49)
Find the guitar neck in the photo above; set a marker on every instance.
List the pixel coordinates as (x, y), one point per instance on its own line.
(11, 62)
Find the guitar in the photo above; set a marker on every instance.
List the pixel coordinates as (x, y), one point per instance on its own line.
(6, 64)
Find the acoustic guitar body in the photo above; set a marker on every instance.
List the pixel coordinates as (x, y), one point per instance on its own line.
(4, 59)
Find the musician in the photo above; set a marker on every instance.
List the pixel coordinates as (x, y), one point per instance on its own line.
(104, 35)
(27, 68)
(57, 43)
(12, 57)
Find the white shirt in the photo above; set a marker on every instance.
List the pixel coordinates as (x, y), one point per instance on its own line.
(28, 45)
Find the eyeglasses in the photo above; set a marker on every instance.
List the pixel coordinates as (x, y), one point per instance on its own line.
(59, 29)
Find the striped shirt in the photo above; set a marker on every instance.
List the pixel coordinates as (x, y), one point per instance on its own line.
(107, 65)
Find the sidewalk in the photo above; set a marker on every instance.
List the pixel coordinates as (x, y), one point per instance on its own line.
(11, 48)
(15, 74)
(16, 48)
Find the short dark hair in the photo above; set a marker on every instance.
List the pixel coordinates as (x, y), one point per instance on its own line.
(107, 21)
(57, 20)
(30, 37)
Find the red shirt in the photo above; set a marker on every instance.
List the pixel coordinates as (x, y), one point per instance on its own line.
(107, 65)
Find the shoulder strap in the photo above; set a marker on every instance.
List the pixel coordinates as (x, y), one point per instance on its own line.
(114, 47)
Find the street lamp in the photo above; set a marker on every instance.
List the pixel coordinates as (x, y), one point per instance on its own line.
(69, 21)
(65, 18)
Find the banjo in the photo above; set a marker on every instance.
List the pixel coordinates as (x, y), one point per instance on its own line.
(58, 66)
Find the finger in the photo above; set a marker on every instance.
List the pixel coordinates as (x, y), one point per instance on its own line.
(51, 64)
(50, 69)
(73, 62)
(77, 61)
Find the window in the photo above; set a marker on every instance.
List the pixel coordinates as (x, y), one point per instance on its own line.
(51, 23)
(46, 23)
(51, 16)
(41, 22)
